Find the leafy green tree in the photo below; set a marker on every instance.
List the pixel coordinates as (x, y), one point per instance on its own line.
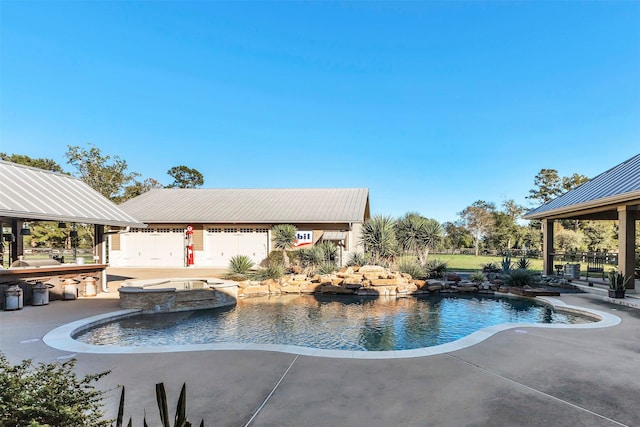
(548, 186)
(49, 394)
(284, 236)
(573, 181)
(139, 188)
(479, 220)
(184, 177)
(42, 163)
(105, 174)
(379, 238)
(567, 240)
(457, 236)
(598, 235)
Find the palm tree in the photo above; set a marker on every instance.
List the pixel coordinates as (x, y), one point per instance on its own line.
(284, 235)
(379, 238)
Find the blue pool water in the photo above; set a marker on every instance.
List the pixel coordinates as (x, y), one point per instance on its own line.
(329, 322)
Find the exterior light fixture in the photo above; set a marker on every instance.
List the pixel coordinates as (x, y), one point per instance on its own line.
(25, 231)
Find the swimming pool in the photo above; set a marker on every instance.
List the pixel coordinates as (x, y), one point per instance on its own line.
(330, 323)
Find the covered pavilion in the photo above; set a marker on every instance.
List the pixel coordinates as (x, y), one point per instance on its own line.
(31, 194)
(612, 195)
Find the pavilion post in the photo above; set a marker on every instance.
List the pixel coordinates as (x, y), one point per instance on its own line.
(547, 246)
(627, 243)
(17, 244)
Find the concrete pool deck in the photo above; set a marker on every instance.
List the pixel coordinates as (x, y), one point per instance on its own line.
(518, 377)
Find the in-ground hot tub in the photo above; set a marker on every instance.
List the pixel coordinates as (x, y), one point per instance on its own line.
(177, 294)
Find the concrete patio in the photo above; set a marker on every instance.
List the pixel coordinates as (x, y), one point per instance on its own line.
(518, 377)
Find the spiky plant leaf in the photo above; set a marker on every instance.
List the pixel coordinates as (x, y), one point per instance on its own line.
(161, 398)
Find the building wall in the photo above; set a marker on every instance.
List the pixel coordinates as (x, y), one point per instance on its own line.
(126, 252)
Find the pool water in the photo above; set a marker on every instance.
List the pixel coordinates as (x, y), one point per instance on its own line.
(329, 322)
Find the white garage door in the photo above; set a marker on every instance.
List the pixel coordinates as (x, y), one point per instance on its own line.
(221, 244)
(162, 247)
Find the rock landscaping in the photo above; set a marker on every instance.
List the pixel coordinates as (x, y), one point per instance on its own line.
(367, 280)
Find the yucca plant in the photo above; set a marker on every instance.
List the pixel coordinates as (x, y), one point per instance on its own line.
(284, 236)
(506, 264)
(379, 238)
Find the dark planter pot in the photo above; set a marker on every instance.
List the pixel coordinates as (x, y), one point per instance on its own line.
(616, 293)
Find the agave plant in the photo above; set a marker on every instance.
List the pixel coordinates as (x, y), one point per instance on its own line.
(477, 277)
(436, 268)
(240, 264)
(523, 263)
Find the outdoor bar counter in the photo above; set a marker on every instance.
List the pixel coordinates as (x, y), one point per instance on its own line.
(52, 275)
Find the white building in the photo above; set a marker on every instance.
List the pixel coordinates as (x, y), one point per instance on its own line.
(221, 223)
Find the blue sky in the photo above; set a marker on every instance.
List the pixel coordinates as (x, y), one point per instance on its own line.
(431, 105)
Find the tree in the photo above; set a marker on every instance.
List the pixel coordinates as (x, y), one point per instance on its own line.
(598, 235)
(479, 219)
(105, 174)
(506, 230)
(573, 181)
(568, 240)
(379, 238)
(42, 163)
(548, 186)
(184, 177)
(139, 188)
(49, 394)
(457, 236)
(284, 235)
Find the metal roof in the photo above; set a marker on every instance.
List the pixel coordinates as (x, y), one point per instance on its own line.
(37, 194)
(334, 235)
(209, 205)
(618, 185)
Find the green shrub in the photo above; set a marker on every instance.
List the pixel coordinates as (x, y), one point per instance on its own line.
(523, 264)
(436, 268)
(49, 394)
(491, 267)
(240, 264)
(357, 259)
(274, 271)
(410, 265)
(477, 277)
(327, 268)
(520, 277)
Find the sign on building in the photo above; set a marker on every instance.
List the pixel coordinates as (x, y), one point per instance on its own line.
(303, 238)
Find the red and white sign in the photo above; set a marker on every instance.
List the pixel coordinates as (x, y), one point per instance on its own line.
(303, 238)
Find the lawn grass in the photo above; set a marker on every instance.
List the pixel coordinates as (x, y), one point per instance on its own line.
(471, 263)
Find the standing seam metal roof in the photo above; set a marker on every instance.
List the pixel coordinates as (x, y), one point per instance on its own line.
(209, 205)
(619, 182)
(31, 193)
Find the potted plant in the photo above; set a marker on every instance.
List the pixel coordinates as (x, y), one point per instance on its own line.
(616, 284)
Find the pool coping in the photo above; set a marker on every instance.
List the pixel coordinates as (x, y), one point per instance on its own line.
(61, 338)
